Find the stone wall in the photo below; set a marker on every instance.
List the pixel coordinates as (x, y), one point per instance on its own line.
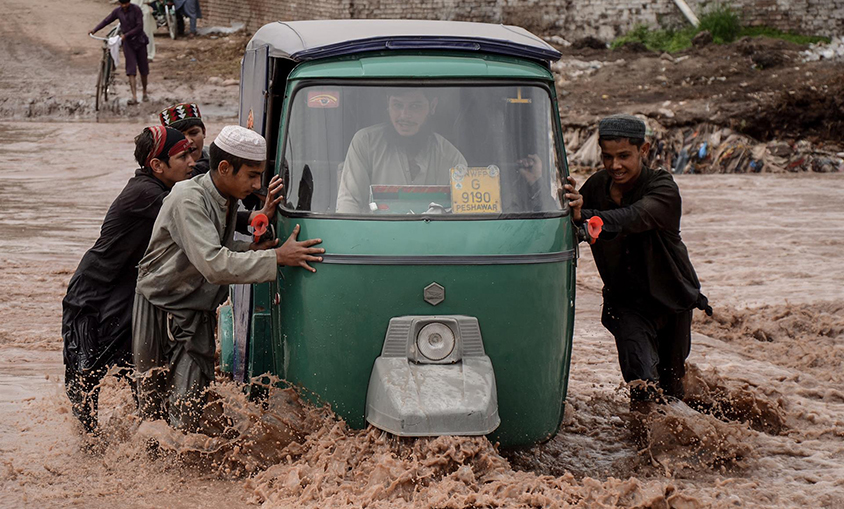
(571, 19)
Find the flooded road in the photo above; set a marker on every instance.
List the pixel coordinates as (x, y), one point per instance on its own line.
(765, 372)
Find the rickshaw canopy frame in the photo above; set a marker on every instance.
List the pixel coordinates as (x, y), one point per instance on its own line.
(317, 39)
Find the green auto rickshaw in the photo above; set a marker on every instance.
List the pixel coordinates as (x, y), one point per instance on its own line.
(428, 156)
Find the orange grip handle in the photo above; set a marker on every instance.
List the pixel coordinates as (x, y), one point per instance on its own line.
(594, 226)
(259, 225)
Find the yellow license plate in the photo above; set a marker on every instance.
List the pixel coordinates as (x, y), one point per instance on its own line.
(476, 190)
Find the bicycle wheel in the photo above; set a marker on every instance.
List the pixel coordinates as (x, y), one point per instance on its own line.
(108, 75)
(100, 85)
(170, 13)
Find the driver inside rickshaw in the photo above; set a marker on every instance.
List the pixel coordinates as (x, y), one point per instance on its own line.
(405, 151)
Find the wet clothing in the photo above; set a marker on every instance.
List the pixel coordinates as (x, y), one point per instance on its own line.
(83, 391)
(640, 255)
(192, 254)
(379, 155)
(175, 354)
(650, 286)
(182, 278)
(652, 348)
(97, 309)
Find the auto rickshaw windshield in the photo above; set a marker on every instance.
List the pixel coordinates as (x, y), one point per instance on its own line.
(465, 149)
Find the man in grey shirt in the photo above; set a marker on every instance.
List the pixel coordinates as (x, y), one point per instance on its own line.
(183, 277)
(404, 151)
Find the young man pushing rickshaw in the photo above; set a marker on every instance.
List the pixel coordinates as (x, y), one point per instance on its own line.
(183, 277)
(650, 286)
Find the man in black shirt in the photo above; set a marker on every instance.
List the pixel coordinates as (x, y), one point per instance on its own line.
(97, 310)
(650, 286)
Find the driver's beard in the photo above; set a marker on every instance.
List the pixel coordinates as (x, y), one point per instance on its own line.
(412, 145)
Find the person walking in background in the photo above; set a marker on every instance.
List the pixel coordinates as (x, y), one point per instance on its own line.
(191, 9)
(149, 26)
(134, 44)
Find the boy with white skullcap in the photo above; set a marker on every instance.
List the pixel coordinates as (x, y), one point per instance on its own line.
(183, 277)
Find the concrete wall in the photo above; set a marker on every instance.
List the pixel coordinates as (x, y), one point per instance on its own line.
(571, 19)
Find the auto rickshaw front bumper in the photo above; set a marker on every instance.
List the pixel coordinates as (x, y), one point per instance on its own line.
(433, 378)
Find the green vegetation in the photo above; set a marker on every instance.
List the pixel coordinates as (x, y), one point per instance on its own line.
(773, 33)
(722, 22)
(658, 40)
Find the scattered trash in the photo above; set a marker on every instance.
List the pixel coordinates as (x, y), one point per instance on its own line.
(572, 68)
(235, 27)
(708, 148)
(832, 51)
(559, 41)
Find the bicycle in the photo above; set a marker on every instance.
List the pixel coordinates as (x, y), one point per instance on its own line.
(105, 75)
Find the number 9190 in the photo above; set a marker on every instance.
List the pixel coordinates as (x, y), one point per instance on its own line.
(476, 197)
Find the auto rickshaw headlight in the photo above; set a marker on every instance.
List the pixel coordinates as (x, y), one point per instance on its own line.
(435, 341)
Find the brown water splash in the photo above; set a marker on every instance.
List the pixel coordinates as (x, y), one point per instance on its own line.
(804, 336)
(370, 468)
(679, 439)
(296, 455)
(734, 401)
(241, 436)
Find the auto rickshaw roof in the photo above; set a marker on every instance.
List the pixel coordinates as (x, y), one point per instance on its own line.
(317, 39)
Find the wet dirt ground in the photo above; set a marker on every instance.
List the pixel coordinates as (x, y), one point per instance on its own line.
(765, 375)
(767, 249)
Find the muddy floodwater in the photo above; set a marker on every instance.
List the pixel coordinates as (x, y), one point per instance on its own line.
(764, 425)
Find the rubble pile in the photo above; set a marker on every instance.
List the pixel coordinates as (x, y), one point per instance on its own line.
(708, 148)
(833, 51)
(569, 69)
